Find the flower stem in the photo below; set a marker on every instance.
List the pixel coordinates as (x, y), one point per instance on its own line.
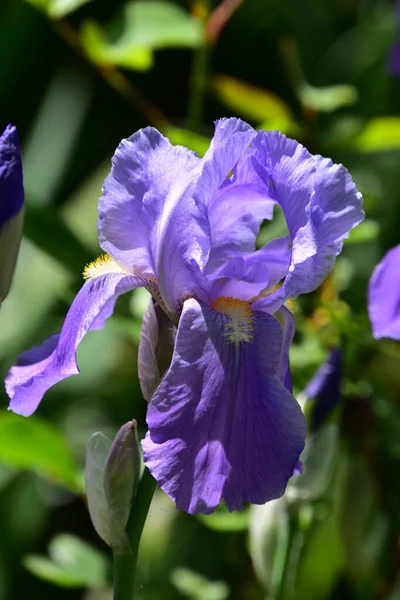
(198, 78)
(125, 564)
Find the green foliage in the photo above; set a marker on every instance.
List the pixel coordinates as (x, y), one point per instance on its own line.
(222, 520)
(71, 563)
(57, 9)
(195, 587)
(255, 104)
(327, 99)
(39, 446)
(379, 134)
(146, 25)
(334, 534)
(46, 229)
(190, 139)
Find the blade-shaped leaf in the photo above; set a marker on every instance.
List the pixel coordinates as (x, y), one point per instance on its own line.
(147, 25)
(71, 563)
(254, 103)
(46, 230)
(379, 134)
(329, 98)
(38, 446)
(58, 8)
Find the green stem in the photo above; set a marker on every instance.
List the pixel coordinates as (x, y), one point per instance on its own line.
(198, 78)
(125, 564)
(282, 588)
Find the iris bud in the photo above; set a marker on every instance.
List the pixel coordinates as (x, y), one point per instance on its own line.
(112, 479)
(11, 206)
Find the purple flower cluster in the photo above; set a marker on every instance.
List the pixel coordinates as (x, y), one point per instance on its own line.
(222, 423)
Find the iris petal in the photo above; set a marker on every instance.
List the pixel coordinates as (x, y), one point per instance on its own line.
(148, 220)
(384, 296)
(42, 367)
(321, 205)
(221, 424)
(235, 196)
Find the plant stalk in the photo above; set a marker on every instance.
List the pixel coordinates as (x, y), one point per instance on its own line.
(125, 565)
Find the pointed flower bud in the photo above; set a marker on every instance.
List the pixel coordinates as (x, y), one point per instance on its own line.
(122, 472)
(11, 206)
(324, 388)
(112, 478)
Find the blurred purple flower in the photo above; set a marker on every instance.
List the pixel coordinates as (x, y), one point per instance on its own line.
(384, 296)
(394, 56)
(11, 206)
(222, 423)
(324, 387)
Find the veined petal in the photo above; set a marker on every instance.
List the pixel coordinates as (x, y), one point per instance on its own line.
(287, 322)
(221, 424)
(236, 197)
(321, 205)
(148, 220)
(384, 296)
(44, 366)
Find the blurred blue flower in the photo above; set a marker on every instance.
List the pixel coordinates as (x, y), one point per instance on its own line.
(11, 206)
(384, 296)
(324, 387)
(394, 56)
(223, 422)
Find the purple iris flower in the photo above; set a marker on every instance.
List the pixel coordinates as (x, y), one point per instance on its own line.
(324, 387)
(384, 296)
(394, 57)
(222, 423)
(11, 206)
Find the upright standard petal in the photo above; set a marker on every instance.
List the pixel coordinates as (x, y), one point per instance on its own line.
(44, 366)
(236, 197)
(221, 424)
(148, 220)
(321, 205)
(384, 296)
(11, 206)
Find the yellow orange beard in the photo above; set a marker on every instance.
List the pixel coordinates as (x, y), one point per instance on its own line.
(103, 265)
(239, 326)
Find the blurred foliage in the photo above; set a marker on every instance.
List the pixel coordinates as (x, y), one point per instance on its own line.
(78, 77)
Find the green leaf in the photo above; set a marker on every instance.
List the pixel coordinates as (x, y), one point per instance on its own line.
(255, 104)
(196, 587)
(38, 446)
(56, 9)
(222, 520)
(321, 561)
(327, 99)
(365, 232)
(48, 232)
(189, 139)
(147, 25)
(381, 133)
(269, 538)
(72, 563)
(318, 457)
